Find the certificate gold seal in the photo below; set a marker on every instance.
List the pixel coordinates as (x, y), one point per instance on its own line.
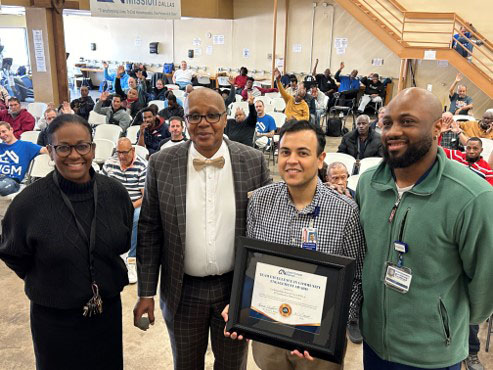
(285, 310)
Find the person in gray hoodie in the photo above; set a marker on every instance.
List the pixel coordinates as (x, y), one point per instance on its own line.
(115, 114)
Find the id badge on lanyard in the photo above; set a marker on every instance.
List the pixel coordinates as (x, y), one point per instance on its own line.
(397, 276)
(309, 235)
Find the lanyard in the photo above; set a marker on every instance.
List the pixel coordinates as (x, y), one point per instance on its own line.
(314, 214)
(91, 241)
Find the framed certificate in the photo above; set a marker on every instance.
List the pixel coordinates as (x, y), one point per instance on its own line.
(291, 297)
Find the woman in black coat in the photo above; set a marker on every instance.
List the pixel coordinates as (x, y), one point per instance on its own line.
(63, 235)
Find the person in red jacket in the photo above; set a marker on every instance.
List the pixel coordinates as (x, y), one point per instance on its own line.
(20, 119)
(472, 158)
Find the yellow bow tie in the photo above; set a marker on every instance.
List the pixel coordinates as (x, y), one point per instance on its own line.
(198, 164)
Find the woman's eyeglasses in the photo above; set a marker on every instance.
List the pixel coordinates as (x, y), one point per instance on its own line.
(64, 150)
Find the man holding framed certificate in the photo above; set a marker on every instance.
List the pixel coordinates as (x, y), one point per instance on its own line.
(301, 212)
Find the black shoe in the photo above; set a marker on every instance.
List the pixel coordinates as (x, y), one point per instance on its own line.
(354, 332)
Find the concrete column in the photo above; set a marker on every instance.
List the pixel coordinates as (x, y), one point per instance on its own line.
(52, 85)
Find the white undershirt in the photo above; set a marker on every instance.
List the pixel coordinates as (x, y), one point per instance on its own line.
(401, 191)
(210, 216)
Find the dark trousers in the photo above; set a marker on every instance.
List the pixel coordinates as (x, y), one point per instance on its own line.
(371, 361)
(474, 343)
(199, 311)
(64, 339)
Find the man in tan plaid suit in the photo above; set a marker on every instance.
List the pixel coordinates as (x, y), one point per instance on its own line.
(194, 206)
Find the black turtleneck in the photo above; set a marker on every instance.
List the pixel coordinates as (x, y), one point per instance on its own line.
(42, 244)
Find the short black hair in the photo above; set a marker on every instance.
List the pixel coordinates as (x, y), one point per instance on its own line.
(149, 109)
(303, 125)
(116, 96)
(474, 138)
(171, 97)
(244, 69)
(250, 79)
(13, 98)
(293, 78)
(66, 119)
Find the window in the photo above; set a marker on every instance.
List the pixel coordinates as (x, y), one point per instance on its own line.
(15, 44)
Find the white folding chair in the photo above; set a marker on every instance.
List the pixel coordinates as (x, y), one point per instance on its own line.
(367, 163)
(31, 136)
(265, 99)
(141, 151)
(179, 93)
(158, 103)
(269, 109)
(37, 109)
(352, 182)
(273, 95)
(172, 87)
(41, 166)
(239, 98)
(104, 150)
(279, 104)
(132, 132)
(108, 132)
(463, 118)
(279, 117)
(487, 148)
(346, 159)
(223, 81)
(96, 118)
(204, 80)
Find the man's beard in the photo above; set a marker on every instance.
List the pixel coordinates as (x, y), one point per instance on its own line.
(413, 153)
(472, 160)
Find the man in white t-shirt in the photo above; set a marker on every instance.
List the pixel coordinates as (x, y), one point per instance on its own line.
(176, 130)
(183, 76)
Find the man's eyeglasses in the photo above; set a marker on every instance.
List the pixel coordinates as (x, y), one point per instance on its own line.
(64, 150)
(195, 118)
(123, 151)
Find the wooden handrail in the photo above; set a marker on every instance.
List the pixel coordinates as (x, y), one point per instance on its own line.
(490, 57)
(381, 16)
(429, 15)
(475, 57)
(478, 35)
(388, 11)
(398, 6)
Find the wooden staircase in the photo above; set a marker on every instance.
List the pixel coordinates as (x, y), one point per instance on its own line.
(410, 34)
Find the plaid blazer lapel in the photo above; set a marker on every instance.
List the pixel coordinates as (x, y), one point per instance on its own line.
(239, 180)
(179, 169)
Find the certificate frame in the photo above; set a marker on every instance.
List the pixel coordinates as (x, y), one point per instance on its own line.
(339, 270)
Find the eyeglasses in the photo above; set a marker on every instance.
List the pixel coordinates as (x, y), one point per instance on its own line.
(195, 118)
(123, 151)
(64, 150)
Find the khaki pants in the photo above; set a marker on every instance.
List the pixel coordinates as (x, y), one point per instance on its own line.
(274, 358)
